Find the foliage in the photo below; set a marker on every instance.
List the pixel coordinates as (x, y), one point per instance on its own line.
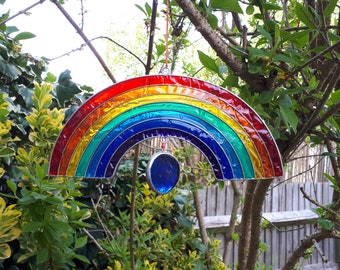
(51, 215)
(8, 230)
(163, 235)
(6, 141)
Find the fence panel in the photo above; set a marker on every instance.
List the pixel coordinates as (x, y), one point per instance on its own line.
(282, 238)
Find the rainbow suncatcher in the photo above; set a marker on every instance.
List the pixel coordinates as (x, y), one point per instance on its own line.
(227, 130)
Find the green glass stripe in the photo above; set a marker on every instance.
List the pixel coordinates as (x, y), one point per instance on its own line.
(230, 135)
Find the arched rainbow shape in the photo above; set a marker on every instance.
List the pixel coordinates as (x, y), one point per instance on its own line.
(228, 131)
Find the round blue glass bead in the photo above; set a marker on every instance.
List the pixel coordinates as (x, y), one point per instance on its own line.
(162, 172)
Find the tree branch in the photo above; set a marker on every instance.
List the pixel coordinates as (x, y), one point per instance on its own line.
(335, 165)
(151, 36)
(84, 37)
(22, 11)
(305, 244)
(296, 71)
(331, 79)
(219, 46)
(329, 113)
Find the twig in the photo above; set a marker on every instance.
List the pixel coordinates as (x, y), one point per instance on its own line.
(317, 203)
(107, 255)
(295, 175)
(292, 74)
(82, 14)
(84, 37)
(94, 39)
(22, 12)
(319, 250)
(106, 230)
(330, 112)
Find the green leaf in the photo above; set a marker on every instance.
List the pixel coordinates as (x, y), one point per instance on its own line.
(289, 117)
(27, 94)
(12, 186)
(300, 37)
(55, 200)
(81, 258)
(231, 81)
(6, 152)
(26, 200)
(230, 5)
(255, 54)
(328, 11)
(66, 89)
(184, 221)
(335, 97)
(23, 35)
(208, 62)
(250, 10)
(213, 21)
(235, 236)
(41, 170)
(9, 70)
(80, 242)
(180, 199)
(286, 101)
(332, 180)
(284, 58)
(271, 6)
(304, 15)
(325, 224)
(60, 225)
(141, 9)
(50, 77)
(265, 34)
(5, 251)
(148, 9)
(11, 29)
(266, 97)
(32, 226)
(42, 255)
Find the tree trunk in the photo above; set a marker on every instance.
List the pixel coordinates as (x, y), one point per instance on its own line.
(258, 200)
(246, 223)
(228, 240)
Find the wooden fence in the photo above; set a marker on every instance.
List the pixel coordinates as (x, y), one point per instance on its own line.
(285, 208)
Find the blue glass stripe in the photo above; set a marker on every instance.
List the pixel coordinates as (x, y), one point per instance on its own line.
(207, 151)
(133, 135)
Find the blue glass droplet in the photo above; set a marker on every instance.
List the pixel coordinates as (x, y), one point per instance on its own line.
(162, 172)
